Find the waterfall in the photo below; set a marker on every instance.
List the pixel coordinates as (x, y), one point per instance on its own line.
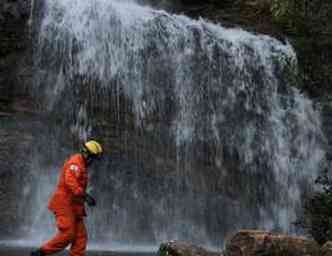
(204, 133)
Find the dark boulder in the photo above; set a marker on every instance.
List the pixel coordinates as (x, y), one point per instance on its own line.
(254, 242)
(327, 249)
(183, 248)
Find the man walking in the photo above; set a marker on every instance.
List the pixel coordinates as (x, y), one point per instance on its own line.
(67, 203)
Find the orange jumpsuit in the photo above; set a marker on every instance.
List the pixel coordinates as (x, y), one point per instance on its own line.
(68, 206)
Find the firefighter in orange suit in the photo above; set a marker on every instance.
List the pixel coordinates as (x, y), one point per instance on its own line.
(67, 203)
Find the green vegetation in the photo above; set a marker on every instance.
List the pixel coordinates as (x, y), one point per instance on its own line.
(291, 15)
(317, 218)
(308, 24)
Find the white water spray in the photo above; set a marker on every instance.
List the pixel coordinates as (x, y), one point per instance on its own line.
(230, 143)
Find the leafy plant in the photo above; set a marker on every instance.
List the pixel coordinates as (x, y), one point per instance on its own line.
(317, 217)
(290, 14)
(280, 9)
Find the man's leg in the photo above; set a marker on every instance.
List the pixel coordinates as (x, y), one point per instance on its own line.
(65, 235)
(78, 246)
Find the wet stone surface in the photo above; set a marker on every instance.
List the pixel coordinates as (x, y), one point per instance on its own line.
(10, 251)
(184, 248)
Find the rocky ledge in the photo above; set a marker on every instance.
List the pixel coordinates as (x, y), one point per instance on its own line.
(252, 243)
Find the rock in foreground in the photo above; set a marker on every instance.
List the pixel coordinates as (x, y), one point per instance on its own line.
(327, 249)
(253, 243)
(183, 248)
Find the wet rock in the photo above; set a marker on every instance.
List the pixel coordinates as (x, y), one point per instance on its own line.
(326, 250)
(15, 107)
(253, 242)
(183, 248)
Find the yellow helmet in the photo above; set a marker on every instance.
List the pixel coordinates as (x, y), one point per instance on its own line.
(93, 147)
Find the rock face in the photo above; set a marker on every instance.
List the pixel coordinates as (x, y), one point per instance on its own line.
(14, 46)
(253, 243)
(15, 110)
(183, 248)
(15, 55)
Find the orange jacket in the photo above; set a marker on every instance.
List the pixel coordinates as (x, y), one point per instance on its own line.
(68, 197)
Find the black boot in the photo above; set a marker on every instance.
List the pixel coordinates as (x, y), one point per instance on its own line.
(37, 253)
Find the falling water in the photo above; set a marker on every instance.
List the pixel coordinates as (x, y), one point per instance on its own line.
(204, 133)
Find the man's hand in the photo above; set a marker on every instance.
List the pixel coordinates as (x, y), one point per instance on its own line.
(90, 200)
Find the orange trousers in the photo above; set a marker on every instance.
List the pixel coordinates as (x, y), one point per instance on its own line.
(71, 231)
